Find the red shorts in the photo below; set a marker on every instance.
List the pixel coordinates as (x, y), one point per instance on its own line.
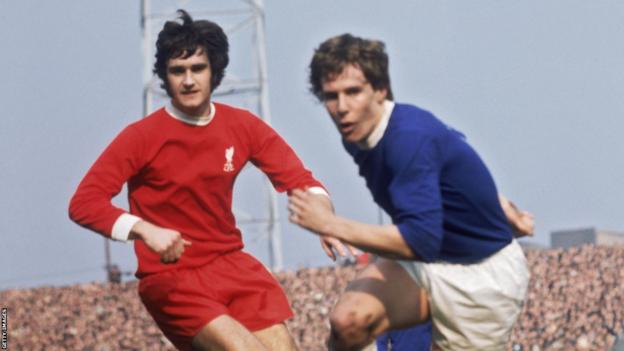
(183, 301)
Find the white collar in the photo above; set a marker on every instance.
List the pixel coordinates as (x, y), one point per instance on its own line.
(186, 118)
(378, 132)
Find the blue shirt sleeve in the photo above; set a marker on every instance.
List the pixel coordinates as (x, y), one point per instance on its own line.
(415, 161)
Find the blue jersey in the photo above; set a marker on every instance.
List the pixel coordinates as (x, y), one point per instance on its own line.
(435, 187)
(417, 338)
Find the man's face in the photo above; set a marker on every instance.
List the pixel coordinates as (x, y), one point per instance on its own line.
(353, 104)
(189, 83)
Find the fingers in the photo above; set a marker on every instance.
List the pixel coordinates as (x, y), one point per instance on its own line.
(294, 208)
(170, 255)
(298, 197)
(528, 220)
(293, 216)
(308, 211)
(528, 215)
(302, 202)
(174, 251)
(337, 245)
(296, 203)
(328, 251)
(353, 250)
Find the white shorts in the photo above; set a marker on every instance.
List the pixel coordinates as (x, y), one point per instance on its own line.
(474, 306)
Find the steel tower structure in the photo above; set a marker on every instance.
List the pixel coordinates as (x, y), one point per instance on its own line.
(245, 84)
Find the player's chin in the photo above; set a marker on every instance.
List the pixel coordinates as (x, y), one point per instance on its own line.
(352, 137)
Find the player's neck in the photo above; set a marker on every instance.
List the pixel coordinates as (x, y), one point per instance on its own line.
(380, 127)
(199, 120)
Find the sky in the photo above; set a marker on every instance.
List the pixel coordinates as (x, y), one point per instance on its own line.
(537, 87)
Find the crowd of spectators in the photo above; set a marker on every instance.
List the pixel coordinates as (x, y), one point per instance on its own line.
(575, 302)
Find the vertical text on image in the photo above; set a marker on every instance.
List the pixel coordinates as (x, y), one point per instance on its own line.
(5, 328)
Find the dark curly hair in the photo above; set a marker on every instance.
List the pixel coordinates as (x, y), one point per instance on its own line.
(331, 57)
(183, 40)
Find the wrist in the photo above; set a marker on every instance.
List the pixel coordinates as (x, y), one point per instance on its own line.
(140, 230)
(332, 227)
(326, 201)
(123, 226)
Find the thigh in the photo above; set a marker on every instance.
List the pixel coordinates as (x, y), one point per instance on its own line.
(256, 299)
(475, 306)
(225, 333)
(385, 294)
(276, 338)
(179, 304)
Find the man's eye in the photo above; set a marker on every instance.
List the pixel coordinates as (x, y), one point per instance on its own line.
(198, 68)
(176, 70)
(353, 91)
(330, 96)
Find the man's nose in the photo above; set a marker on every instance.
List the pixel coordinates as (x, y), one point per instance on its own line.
(342, 104)
(188, 79)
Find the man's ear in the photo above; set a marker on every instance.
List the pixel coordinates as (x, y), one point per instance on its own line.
(381, 94)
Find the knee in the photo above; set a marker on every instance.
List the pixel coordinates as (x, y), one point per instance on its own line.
(351, 325)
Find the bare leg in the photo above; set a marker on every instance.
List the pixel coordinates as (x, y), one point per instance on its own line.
(226, 334)
(276, 338)
(382, 297)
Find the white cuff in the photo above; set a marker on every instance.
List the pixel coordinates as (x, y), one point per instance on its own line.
(317, 190)
(123, 225)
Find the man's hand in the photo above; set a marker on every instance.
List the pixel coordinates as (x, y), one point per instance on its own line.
(309, 211)
(331, 246)
(522, 222)
(168, 243)
(312, 211)
(524, 225)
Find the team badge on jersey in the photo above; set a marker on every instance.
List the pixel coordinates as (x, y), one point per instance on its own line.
(229, 154)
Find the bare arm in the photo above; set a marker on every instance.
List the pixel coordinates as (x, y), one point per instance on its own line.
(522, 222)
(332, 246)
(384, 240)
(286, 171)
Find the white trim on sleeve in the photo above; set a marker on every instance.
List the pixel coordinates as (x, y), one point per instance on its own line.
(123, 225)
(317, 190)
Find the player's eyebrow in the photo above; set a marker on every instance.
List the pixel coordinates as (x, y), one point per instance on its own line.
(198, 67)
(353, 90)
(176, 69)
(329, 95)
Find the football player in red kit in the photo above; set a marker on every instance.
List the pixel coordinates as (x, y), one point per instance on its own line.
(180, 164)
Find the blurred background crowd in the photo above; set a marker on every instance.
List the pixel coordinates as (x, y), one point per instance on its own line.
(575, 302)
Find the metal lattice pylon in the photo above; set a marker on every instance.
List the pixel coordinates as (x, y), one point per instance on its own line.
(247, 82)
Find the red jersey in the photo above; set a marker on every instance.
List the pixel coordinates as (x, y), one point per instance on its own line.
(181, 176)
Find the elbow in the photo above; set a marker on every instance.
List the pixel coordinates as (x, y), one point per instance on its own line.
(410, 255)
(417, 243)
(73, 209)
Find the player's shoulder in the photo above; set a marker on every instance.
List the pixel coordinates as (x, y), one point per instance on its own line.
(233, 113)
(151, 119)
(152, 123)
(412, 121)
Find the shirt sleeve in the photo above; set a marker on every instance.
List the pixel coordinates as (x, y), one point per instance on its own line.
(415, 193)
(91, 205)
(278, 161)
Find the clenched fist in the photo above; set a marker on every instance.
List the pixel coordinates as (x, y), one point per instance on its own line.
(168, 243)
